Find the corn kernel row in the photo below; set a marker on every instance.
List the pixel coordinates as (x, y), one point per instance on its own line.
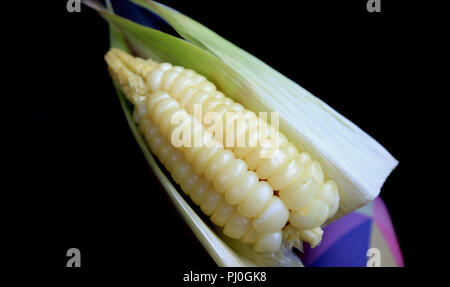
(298, 179)
(203, 194)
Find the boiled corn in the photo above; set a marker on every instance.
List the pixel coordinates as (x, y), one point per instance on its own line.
(234, 185)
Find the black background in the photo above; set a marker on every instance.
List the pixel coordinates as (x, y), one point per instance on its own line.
(87, 184)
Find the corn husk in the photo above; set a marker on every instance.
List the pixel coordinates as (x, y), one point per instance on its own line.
(355, 161)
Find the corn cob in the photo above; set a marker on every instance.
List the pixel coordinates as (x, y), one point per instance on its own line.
(297, 178)
(224, 178)
(203, 193)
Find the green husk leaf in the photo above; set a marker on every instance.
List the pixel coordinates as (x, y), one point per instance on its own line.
(353, 159)
(226, 254)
